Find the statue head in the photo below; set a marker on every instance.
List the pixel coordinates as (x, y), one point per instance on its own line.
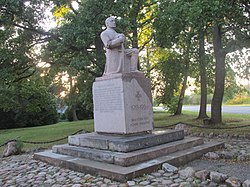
(110, 22)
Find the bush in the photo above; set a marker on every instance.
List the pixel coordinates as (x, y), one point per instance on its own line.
(7, 119)
(34, 106)
(239, 100)
(81, 113)
(194, 99)
(15, 119)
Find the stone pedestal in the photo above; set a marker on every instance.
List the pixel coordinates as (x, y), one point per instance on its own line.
(123, 104)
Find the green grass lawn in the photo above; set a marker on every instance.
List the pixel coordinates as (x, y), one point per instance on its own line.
(161, 119)
(45, 133)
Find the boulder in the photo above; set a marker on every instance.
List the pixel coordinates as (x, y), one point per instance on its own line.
(203, 175)
(246, 183)
(169, 168)
(181, 126)
(233, 182)
(212, 155)
(218, 177)
(187, 172)
(10, 149)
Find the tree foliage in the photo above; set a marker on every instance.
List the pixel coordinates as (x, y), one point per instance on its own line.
(25, 99)
(187, 32)
(224, 23)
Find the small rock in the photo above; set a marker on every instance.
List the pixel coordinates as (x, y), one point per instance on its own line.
(56, 185)
(246, 183)
(178, 180)
(123, 185)
(144, 183)
(167, 182)
(233, 182)
(156, 174)
(190, 179)
(187, 172)
(185, 184)
(211, 135)
(76, 185)
(155, 184)
(107, 181)
(181, 126)
(212, 155)
(169, 168)
(203, 175)
(161, 171)
(225, 135)
(131, 183)
(243, 157)
(203, 183)
(174, 185)
(103, 185)
(217, 177)
(226, 155)
(168, 174)
(174, 176)
(99, 183)
(243, 152)
(150, 177)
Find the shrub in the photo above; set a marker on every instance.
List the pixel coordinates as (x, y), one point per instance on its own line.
(34, 106)
(239, 100)
(81, 113)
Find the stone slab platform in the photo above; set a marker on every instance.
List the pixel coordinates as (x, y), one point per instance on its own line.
(121, 173)
(123, 143)
(130, 158)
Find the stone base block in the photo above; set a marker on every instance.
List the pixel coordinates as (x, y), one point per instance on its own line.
(125, 143)
(121, 173)
(123, 104)
(130, 158)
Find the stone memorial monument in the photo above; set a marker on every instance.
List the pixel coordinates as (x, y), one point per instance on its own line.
(124, 144)
(122, 96)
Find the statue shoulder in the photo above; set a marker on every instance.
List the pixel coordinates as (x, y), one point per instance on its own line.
(105, 33)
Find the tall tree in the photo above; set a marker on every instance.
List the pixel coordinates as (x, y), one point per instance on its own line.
(173, 31)
(230, 33)
(203, 76)
(227, 22)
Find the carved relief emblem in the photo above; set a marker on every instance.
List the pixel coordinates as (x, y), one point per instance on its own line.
(138, 95)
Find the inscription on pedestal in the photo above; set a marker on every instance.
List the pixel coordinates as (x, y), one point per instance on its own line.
(140, 121)
(108, 98)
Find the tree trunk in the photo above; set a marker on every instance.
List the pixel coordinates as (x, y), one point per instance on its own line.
(148, 67)
(73, 110)
(182, 94)
(220, 55)
(100, 53)
(135, 32)
(73, 107)
(203, 78)
(184, 83)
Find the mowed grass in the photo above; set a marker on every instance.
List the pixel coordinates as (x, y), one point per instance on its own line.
(161, 119)
(230, 121)
(45, 133)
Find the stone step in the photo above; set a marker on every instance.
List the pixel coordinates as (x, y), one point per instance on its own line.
(121, 173)
(122, 143)
(130, 158)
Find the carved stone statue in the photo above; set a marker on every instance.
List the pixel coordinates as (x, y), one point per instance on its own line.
(118, 59)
